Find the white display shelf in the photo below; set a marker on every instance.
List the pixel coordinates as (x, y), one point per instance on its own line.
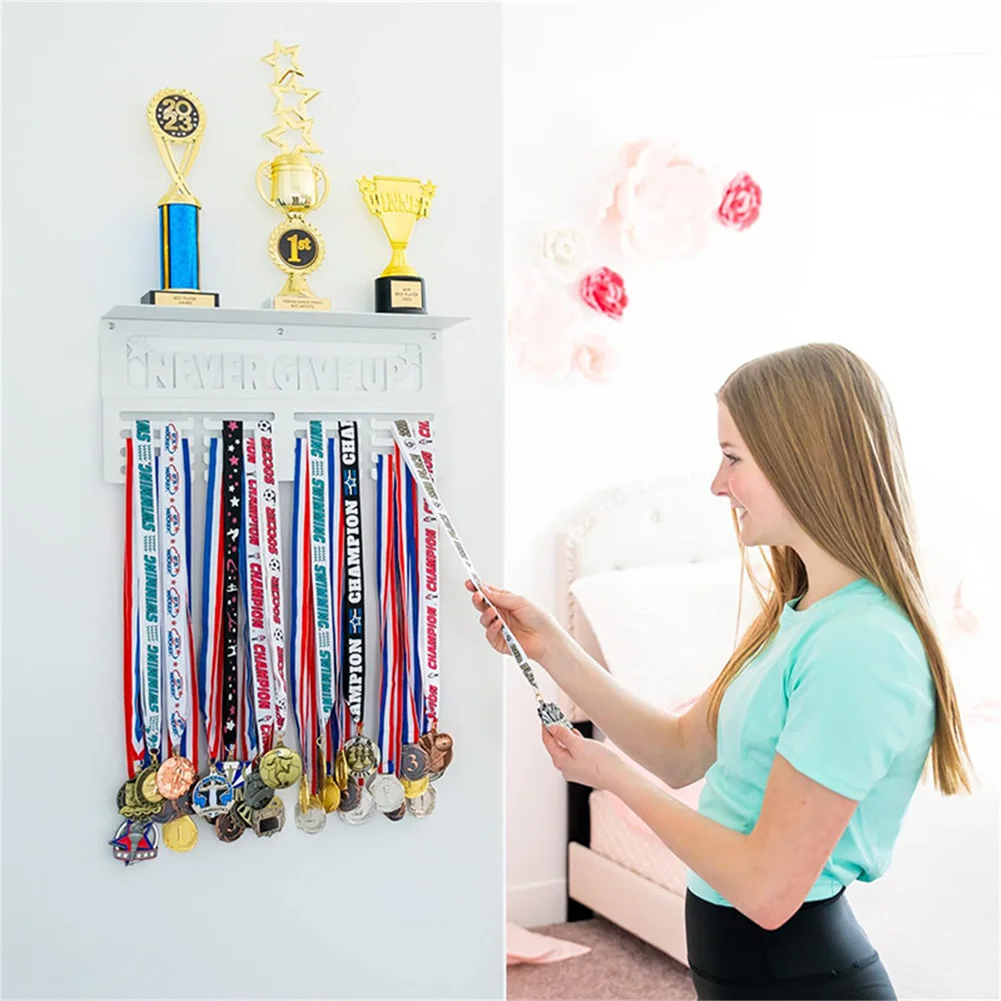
(196, 366)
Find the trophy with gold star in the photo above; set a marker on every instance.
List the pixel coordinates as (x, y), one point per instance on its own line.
(177, 122)
(293, 184)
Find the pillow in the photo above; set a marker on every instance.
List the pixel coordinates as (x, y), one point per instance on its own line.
(666, 631)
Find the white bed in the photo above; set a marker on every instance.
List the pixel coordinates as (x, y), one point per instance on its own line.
(650, 583)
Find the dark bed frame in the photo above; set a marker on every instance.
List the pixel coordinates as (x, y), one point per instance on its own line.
(578, 828)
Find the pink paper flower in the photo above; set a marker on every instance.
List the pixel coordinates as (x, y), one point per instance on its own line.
(741, 203)
(594, 357)
(540, 327)
(604, 291)
(661, 204)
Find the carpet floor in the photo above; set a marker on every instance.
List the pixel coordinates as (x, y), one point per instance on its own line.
(619, 967)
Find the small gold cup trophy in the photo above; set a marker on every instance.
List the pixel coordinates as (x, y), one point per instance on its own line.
(398, 202)
(293, 184)
(177, 121)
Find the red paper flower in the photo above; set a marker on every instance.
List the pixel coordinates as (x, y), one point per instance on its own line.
(740, 205)
(604, 291)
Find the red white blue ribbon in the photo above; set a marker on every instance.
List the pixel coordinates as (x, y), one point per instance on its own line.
(335, 521)
(389, 693)
(148, 569)
(135, 740)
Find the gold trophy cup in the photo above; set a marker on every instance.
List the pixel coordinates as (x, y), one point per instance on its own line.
(398, 202)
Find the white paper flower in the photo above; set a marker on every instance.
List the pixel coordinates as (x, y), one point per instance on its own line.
(565, 246)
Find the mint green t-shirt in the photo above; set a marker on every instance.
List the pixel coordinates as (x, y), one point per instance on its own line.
(844, 693)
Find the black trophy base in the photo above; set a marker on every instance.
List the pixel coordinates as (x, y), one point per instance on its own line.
(400, 294)
(180, 297)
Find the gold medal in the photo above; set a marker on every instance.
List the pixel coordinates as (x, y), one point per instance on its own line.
(330, 795)
(146, 791)
(180, 834)
(417, 788)
(341, 770)
(280, 767)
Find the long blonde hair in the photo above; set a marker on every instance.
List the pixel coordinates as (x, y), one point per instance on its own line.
(819, 423)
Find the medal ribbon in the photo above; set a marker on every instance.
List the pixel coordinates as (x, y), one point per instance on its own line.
(427, 564)
(254, 603)
(353, 608)
(135, 741)
(389, 731)
(271, 544)
(411, 453)
(213, 581)
(320, 570)
(232, 438)
(149, 589)
(335, 521)
(405, 563)
(174, 510)
(301, 628)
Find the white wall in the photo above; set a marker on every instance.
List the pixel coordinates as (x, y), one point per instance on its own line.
(405, 89)
(873, 133)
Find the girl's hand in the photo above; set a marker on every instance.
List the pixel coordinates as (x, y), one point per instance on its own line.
(580, 759)
(534, 628)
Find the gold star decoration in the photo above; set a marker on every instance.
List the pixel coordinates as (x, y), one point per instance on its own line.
(291, 86)
(304, 126)
(279, 50)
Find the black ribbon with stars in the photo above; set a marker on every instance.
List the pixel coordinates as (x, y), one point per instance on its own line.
(352, 609)
(232, 441)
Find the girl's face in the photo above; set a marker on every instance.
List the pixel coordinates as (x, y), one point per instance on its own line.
(762, 517)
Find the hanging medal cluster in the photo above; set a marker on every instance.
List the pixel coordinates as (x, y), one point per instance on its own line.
(235, 682)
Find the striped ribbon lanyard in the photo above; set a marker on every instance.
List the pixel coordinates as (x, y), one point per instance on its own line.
(213, 584)
(428, 644)
(135, 739)
(335, 520)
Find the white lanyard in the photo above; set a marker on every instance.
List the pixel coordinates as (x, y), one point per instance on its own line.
(271, 544)
(429, 598)
(548, 711)
(176, 633)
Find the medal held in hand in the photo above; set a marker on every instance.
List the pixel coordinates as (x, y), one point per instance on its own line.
(549, 712)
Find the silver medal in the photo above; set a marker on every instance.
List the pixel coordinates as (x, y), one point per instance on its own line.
(311, 821)
(387, 791)
(423, 805)
(362, 756)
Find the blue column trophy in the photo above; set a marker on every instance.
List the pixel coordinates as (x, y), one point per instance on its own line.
(177, 122)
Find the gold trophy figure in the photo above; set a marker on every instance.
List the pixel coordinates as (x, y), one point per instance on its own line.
(294, 185)
(398, 202)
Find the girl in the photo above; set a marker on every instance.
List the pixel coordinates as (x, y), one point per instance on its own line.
(813, 737)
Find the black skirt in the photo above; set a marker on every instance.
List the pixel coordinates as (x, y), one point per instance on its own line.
(820, 952)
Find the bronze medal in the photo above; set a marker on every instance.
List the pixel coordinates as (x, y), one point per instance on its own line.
(397, 814)
(350, 798)
(439, 748)
(175, 777)
(414, 762)
(229, 827)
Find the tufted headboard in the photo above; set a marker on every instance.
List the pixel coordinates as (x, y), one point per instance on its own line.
(669, 521)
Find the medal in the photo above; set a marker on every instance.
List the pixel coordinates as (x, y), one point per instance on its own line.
(363, 812)
(361, 756)
(212, 796)
(147, 793)
(423, 805)
(257, 792)
(175, 777)
(180, 834)
(127, 796)
(310, 816)
(413, 789)
(438, 747)
(414, 762)
(135, 841)
(342, 773)
(235, 772)
(280, 767)
(230, 827)
(270, 820)
(387, 792)
(397, 814)
(330, 795)
(350, 797)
